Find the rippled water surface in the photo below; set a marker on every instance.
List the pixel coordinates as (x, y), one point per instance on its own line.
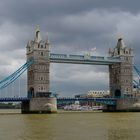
(69, 126)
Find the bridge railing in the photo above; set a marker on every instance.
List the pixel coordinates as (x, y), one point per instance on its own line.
(83, 57)
(108, 101)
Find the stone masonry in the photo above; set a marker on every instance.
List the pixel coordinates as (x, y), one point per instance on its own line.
(38, 77)
(121, 77)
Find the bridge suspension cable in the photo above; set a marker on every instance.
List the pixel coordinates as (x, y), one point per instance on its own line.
(137, 70)
(135, 83)
(8, 80)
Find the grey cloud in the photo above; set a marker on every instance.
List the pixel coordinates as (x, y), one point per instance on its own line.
(96, 28)
(33, 11)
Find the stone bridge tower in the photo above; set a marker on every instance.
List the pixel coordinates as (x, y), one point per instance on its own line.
(121, 77)
(38, 77)
(121, 80)
(38, 73)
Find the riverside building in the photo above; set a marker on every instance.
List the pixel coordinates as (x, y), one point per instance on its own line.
(94, 94)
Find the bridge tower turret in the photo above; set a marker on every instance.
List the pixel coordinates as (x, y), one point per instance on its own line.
(38, 73)
(38, 84)
(121, 77)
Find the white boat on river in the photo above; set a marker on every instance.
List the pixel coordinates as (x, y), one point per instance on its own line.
(77, 107)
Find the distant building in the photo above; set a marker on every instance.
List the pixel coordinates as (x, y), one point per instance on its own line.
(94, 94)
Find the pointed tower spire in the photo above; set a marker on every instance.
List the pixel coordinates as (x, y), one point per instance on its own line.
(120, 44)
(47, 39)
(28, 43)
(37, 35)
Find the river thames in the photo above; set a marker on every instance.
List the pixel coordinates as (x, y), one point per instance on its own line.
(69, 126)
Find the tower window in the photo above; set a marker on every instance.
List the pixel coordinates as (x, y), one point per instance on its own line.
(127, 58)
(41, 53)
(41, 46)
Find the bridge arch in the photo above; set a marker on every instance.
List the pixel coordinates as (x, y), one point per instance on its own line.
(117, 93)
(31, 92)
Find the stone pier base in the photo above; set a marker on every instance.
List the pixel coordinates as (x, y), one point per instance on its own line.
(124, 105)
(39, 106)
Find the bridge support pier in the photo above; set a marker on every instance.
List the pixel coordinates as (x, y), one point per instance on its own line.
(109, 108)
(124, 105)
(39, 106)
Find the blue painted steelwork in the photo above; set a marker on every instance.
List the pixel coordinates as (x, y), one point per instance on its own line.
(83, 59)
(137, 70)
(14, 99)
(107, 101)
(135, 83)
(5, 82)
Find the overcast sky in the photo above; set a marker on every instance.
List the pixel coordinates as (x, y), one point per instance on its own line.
(73, 26)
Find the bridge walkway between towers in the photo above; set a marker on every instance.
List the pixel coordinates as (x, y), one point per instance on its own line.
(83, 59)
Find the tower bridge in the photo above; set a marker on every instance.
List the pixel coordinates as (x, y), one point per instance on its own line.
(39, 98)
